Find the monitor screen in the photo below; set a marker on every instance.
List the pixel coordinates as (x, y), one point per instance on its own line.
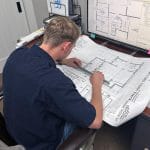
(127, 21)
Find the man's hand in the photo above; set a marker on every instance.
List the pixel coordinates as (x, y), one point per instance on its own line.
(71, 62)
(97, 79)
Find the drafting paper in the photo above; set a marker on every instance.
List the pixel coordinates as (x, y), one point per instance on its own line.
(128, 92)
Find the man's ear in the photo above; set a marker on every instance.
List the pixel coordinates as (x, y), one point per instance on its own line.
(66, 46)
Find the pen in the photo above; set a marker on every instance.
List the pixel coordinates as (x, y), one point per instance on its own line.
(88, 72)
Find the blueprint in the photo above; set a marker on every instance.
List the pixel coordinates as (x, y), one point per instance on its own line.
(128, 91)
(124, 20)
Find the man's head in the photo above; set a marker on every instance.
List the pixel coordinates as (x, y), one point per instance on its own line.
(62, 33)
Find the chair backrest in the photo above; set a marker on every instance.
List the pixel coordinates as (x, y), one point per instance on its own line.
(3, 146)
(4, 135)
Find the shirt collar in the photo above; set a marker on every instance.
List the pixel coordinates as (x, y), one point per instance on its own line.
(40, 52)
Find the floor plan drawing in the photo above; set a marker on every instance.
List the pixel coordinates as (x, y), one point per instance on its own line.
(128, 77)
(124, 20)
(118, 71)
(81, 80)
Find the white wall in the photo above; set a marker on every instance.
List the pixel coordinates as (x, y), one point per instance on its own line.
(30, 15)
(34, 12)
(41, 11)
(13, 25)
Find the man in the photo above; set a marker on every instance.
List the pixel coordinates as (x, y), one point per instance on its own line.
(39, 98)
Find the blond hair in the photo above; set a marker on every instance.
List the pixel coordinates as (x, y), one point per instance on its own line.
(61, 29)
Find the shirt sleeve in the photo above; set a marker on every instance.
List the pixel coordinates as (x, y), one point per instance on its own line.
(66, 102)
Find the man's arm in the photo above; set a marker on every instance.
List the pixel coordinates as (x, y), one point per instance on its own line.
(72, 62)
(96, 99)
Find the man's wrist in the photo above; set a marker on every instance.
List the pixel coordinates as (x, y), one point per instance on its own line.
(59, 62)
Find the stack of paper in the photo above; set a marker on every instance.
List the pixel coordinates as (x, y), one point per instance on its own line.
(30, 37)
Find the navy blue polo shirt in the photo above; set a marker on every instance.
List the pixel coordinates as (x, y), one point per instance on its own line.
(39, 99)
